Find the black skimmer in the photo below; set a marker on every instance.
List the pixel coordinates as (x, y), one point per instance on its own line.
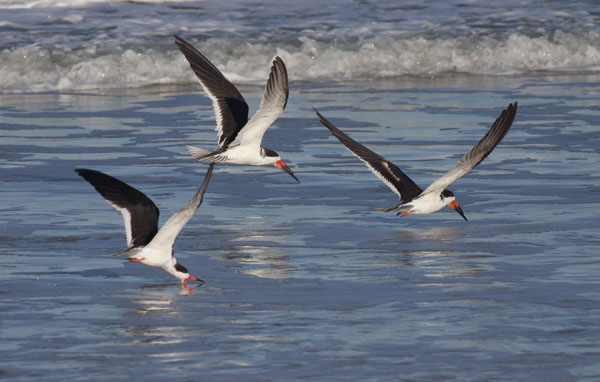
(414, 200)
(239, 139)
(147, 245)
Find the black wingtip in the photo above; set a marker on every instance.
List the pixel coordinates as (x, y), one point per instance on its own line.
(324, 120)
(183, 44)
(82, 172)
(512, 108)
(88, 174)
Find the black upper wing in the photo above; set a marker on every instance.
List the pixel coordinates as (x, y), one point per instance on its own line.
(480, 151)
(231, 109)
(388, 172)
(140, 214)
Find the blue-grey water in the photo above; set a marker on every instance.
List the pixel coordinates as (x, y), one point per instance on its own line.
(304, 282)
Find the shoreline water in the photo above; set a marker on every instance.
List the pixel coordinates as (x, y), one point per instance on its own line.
(300, 277)
(48, 69)
(302, 281)
(46, 45)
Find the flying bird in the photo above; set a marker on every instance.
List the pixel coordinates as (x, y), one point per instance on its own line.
(239, 138)
(415, 200)
(147, 244)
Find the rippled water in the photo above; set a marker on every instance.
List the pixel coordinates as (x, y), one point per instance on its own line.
(305, 281)
(302, 281)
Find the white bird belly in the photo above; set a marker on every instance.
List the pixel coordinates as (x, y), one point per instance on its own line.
(153, 257)
(427, 204)
(248, 155)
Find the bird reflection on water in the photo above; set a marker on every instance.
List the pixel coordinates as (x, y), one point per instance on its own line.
(160, 297)
(433, 251)
(260, 261)
(258, 247)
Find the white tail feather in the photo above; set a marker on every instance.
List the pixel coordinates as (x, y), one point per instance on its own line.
(200, 154)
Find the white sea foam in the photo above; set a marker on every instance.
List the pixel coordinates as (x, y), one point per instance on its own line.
(33, 68)
(29, 4)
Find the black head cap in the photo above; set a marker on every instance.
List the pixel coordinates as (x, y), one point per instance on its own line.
(270, 153)
(180, 268)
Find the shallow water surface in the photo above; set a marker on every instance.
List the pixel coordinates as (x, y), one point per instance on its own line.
(306, 281)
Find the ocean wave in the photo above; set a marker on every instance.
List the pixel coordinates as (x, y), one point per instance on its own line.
(37, 68)
(30, 4)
